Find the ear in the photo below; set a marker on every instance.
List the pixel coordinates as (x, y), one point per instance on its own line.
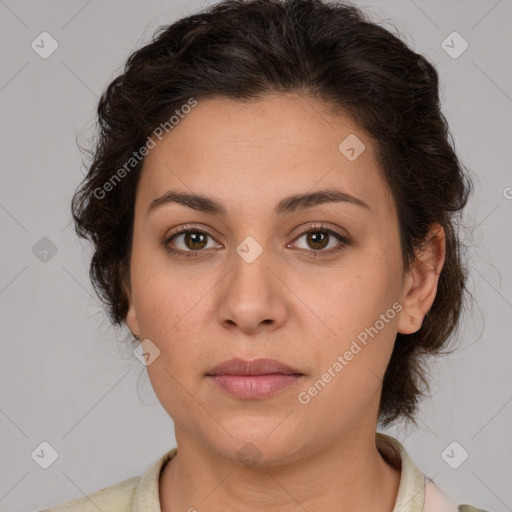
(420, 284)
(131, 315)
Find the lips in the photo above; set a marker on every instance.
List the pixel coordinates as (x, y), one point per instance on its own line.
(237, 366)
(253, 380)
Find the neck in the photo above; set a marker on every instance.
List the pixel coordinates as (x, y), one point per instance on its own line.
(347, 475)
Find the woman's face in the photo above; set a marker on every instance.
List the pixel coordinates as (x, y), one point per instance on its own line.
(249, 283)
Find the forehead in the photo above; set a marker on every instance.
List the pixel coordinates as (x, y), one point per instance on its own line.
(262, 150)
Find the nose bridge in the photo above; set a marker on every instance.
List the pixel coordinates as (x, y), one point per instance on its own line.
(252, 294)
(250, 267)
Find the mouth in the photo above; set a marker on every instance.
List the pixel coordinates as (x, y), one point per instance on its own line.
(253, 380)
(237, 366)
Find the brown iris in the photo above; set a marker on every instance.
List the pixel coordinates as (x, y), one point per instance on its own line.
(317, 239)
(198, 240)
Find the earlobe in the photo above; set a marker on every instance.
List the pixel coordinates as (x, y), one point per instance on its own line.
(131, 315)
(131, 322)
(420, 285)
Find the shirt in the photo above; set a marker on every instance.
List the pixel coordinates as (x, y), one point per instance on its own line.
(416, 493)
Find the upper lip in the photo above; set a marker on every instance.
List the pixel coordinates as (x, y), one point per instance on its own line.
(237, 366)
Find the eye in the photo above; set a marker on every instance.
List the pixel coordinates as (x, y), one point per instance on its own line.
(189, 242)
(320, 237)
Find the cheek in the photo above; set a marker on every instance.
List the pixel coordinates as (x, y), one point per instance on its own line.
(363, 287)
(359, 303)
(165, 314)
(171, 307)
(163, 295)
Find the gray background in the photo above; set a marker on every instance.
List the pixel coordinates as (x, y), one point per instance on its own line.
(69, 379)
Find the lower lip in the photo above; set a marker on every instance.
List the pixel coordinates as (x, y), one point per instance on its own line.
(254, 387)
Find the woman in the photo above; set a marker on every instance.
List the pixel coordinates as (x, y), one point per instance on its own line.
(272, 203)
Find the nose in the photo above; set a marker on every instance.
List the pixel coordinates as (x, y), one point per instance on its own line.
(253, 296)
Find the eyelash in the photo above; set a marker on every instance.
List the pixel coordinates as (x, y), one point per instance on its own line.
(310, 229)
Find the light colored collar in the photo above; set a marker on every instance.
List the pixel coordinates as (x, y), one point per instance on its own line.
(146, 497)
(415, 493)
(411, 490)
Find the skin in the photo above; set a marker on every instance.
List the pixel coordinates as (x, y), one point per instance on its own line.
(288, 304)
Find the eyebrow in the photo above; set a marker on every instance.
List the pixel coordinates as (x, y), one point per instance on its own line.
(287, 205)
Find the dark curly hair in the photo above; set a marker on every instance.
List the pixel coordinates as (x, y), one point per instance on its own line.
(329, 51)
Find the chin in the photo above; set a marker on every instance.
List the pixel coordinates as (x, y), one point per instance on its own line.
(258, 445)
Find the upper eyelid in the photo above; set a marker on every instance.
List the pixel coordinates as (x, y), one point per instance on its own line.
(320, 227)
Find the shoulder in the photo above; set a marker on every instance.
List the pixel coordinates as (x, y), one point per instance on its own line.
(136, 493)
(416, 491)
(437, 501)
(116, 498)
